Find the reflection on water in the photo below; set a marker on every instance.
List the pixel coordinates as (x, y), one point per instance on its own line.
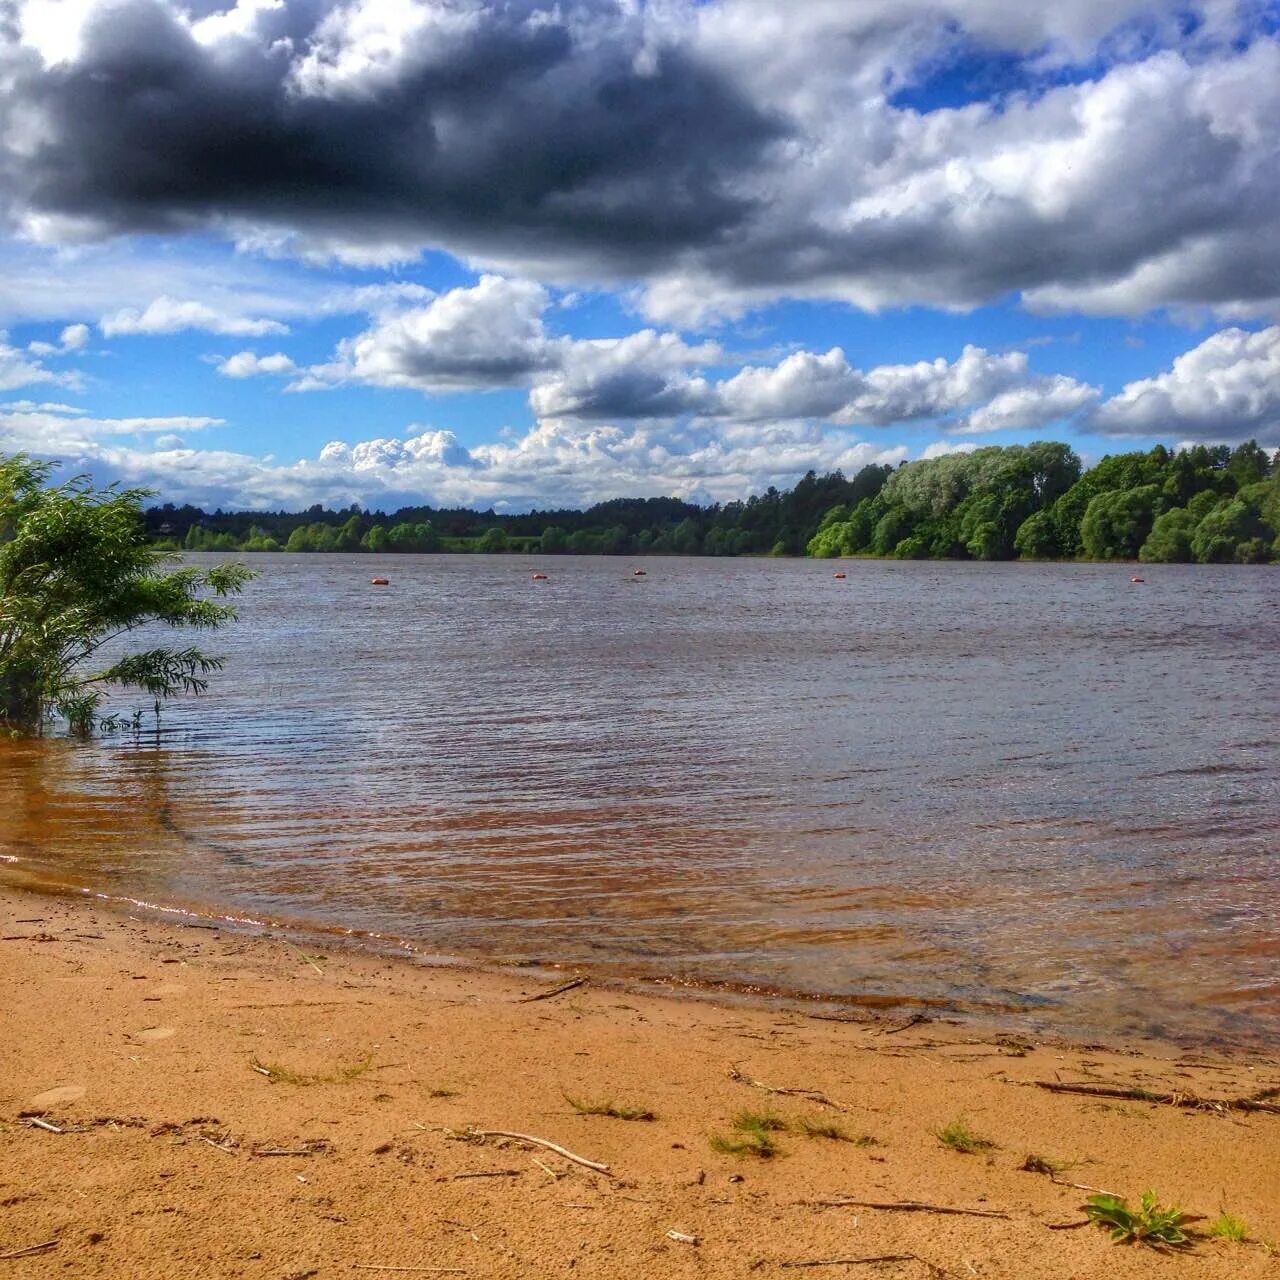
(994, 787)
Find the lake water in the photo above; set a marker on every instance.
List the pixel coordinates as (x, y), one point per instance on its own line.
(1034, 791)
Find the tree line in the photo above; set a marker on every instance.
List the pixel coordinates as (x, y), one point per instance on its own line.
(1208, 504)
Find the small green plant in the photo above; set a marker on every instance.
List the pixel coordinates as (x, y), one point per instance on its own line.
(613, 1109)
(959, 1137)
(756, 1143)
(1151, 1223)
(1228, 1227)
(759, 1122)
(807, 1128)
(286, 1075)
(752, 1136)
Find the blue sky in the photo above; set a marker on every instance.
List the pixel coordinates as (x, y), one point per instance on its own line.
(274, 252)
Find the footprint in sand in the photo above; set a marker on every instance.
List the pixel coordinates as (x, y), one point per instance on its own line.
(149, 1035)
(53, 1097)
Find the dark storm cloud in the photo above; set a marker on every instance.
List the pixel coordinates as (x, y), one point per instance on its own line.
(519, 136)
(723, 153)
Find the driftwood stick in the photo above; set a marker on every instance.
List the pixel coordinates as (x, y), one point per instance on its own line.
(1082, 1186)
(487, 1173)
(914, 1021)
(43, 1124)
(542, 1142)
(850, 1262)
(557, 991)
(904, 1206)
(1132, 1094)
(811, 1095)
(439, 1271)
(29, 1250)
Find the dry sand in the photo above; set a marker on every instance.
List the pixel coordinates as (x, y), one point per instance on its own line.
(145, 1044)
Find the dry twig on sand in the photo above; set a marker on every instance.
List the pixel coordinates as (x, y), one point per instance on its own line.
(904, 1206)
(851, 1262)
(811, 1095)
(557, 991)
(914, 1021)
(487, 1173)
(37, 1123)
(29, 1250)
(540, 1142)
(439, 1271)
(1190, 1101)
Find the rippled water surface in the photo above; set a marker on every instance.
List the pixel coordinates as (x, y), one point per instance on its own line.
(1031, 789)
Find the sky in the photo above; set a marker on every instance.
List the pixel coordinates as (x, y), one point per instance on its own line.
(542, 253)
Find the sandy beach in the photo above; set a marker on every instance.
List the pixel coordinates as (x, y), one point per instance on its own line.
(177, 1100)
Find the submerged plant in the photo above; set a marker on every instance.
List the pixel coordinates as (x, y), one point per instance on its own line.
(1150, 1223)
(78, 574)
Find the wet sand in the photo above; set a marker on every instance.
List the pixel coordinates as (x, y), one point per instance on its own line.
(230, 1105)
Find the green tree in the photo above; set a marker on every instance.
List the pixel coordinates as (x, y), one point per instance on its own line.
(348, 536)
(376, 539)
(1116, 523)
(553, 540)
(1170, 539)
(77, 573)
(1223, 530)
(493, 540)
(1037, 537)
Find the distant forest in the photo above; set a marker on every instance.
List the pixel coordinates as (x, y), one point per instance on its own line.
(1205, 505)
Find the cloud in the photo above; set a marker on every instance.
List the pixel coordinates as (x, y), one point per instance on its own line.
(553, 142)
(642, 375)
(74, 337)
(489, 335)
(1033, 405)
(18, 370)
(244, 364)
(61, 431)
(554, 464)
(1227, 388)
(493, 335)
(173, 315)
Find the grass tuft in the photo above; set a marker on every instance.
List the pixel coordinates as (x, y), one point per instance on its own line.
(1228, 1227)
(822, 1129)
(752, 1136)
(613, 1109)
(959, 1137)
(759, 1122)
(1150, 1223)
(756, 1143)
(286, 1075)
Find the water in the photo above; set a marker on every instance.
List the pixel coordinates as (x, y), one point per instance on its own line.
(1032, 791)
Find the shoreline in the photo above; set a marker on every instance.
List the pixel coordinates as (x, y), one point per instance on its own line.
(1057, 1025)
(175, 1057)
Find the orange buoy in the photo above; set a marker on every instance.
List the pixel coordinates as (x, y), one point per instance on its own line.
(380, 582)
(1137, 579)
(539, 577)
(840, 575)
